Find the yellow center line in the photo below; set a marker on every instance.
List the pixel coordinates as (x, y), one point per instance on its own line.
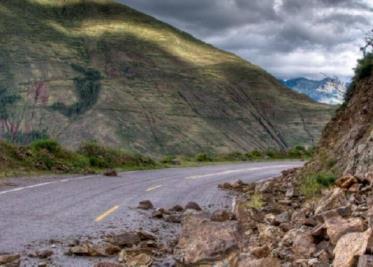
(153, 188)
(106, 213)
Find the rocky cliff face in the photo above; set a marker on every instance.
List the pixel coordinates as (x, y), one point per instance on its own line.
(347, 142)
(96, 70)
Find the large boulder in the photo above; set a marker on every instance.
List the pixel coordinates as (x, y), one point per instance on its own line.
(334, 199)
(125, 239)
(205, 241)
(336, 226)
(349, 247)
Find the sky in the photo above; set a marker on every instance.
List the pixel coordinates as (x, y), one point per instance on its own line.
(289, 38)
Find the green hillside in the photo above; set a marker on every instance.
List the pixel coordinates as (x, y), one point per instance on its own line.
(79, 70)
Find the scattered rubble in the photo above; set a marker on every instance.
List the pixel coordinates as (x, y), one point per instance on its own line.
(335, 229)
(286, 230)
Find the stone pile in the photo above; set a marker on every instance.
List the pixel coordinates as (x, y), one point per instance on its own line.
(292, 231)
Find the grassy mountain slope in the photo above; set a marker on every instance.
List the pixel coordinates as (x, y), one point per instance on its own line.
(82, 70)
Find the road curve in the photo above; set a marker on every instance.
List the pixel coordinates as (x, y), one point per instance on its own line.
(62, 207)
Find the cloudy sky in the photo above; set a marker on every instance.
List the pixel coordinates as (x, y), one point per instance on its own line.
(289, 38)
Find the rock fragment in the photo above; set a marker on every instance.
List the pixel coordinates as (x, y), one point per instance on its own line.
(193, 206)
(125, 239)
(204, 241)
(336, 226)
(145, 205)
(349, 247)
(346, 182)
(221, 216)
(10, 260)
(135, 258)
(334, 199)
(111, 173)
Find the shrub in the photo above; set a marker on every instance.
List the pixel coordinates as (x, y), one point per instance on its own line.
(103, 157)
(325, 179)
(168, 160)
(44, 160)
(256, 201)
(203, 157)
(313, 184)
(273, 154)
(363, 69)
(80, 162)
(234, 156)
(300, 152)
(100, 157)
(255, 154)
(51, 146)
(137, 160)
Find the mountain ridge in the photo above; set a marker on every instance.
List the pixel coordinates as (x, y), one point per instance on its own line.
(99, 70)
(328, 90)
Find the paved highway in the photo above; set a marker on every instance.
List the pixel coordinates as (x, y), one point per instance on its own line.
(56, 208)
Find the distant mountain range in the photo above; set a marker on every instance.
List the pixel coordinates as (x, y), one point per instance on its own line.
(328, 91)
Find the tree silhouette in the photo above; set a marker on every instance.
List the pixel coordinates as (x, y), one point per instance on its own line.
(368, 47)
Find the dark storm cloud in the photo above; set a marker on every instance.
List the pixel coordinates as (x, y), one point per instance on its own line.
(287, 37)
(210, 14)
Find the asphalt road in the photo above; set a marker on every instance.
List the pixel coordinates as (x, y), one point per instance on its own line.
(62, 207)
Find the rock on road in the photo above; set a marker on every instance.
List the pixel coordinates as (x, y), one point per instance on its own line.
(55, 208)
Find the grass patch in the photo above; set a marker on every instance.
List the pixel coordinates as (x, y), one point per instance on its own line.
(256, 201)
(311, 185)
(48, 156)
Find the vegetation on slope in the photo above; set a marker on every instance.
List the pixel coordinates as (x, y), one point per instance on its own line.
(98, 70)
(48, 156)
